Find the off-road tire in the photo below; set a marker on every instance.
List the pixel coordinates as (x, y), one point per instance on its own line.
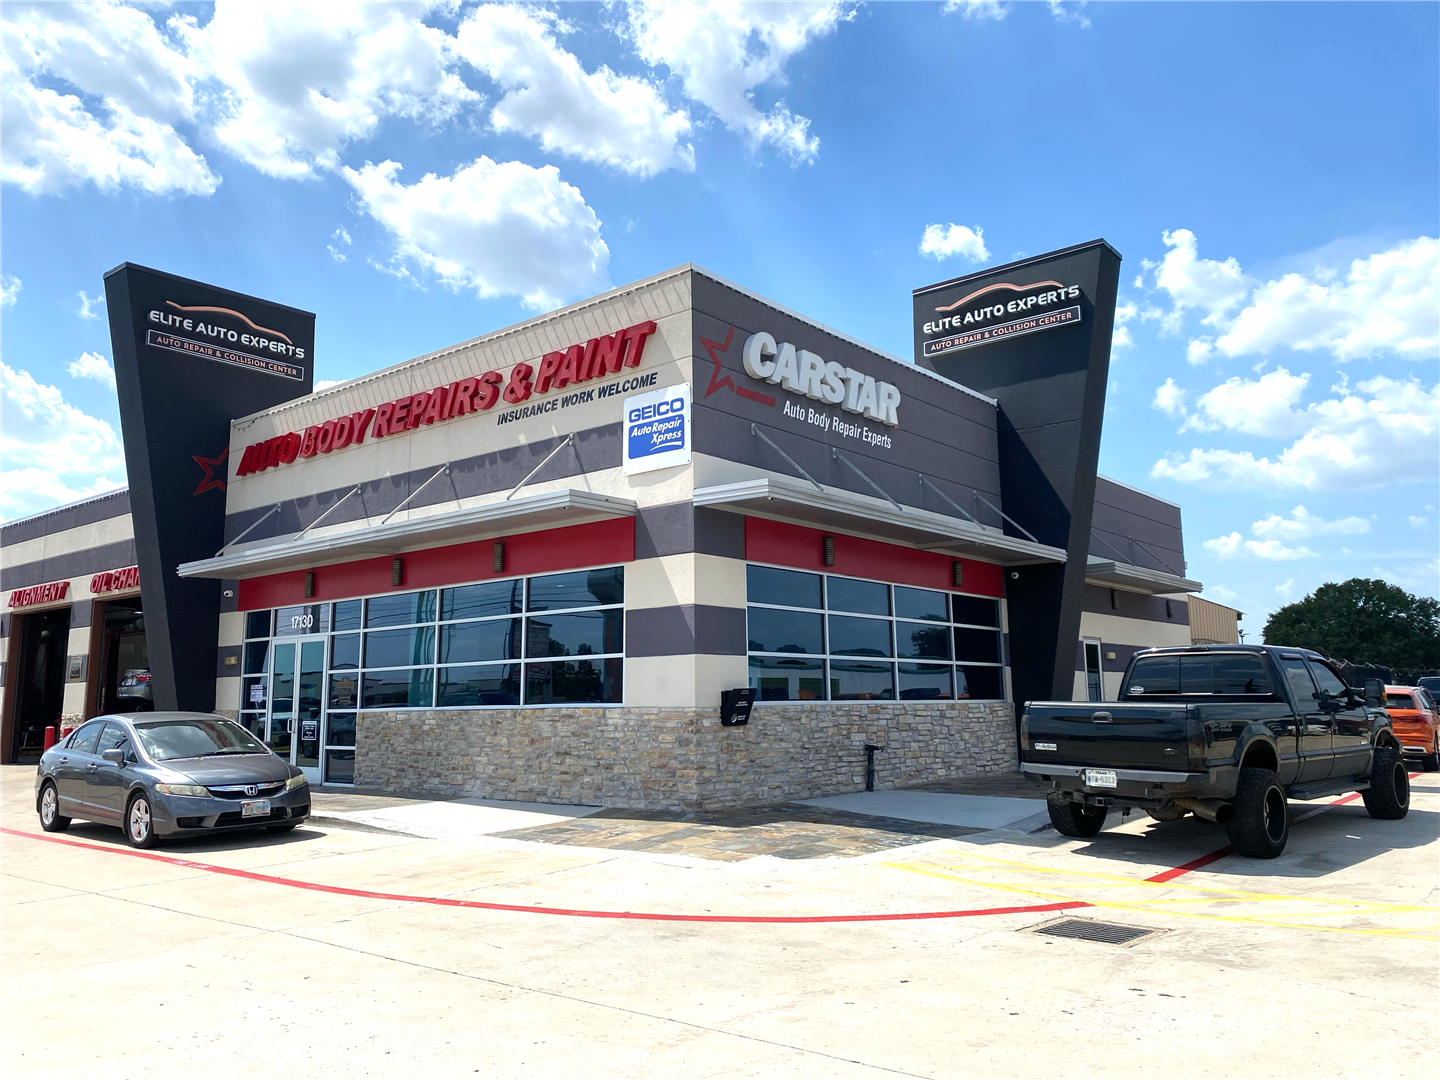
(138, 823)
(1431, 762)
(48, 807)
(1075, 819)
(1261, 824)
(1388, 796)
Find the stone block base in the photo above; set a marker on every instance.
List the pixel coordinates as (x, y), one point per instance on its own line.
(678, 759)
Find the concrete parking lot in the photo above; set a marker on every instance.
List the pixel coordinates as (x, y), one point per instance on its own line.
(349, 948)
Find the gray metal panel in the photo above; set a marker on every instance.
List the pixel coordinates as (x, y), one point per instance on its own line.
(81, 613)
(685, 629)
(718, 532)
(1122, 512)
(112, 504)
(1133, 605)
(72, 564)
(664, 530)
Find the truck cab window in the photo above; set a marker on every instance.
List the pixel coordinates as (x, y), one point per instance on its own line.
(1327, 680)
(1154, 675)
(1302, 687)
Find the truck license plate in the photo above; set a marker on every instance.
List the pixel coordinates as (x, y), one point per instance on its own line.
(1100, 778)
(261, 807)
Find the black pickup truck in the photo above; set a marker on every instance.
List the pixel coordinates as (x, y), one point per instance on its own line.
(1225, 732)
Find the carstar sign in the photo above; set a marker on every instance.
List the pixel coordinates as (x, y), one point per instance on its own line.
(596, 359)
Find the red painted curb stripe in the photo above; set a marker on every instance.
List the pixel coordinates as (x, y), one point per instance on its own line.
(440, 901)
(1193, 864)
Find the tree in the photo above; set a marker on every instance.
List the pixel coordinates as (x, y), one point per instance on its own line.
(1362, 620)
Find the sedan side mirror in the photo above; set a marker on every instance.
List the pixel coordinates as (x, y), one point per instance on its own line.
(115, 756)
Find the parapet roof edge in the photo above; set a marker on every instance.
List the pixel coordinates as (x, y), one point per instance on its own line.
(112, 493)
(1138, 491)
(622, 290)
(992, 402)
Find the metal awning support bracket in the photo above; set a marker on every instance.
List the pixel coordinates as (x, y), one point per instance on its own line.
(924, 482)
(353, 491)
(1007, 517)
(1157, 558)
(247, 532)
(836, 454)
(445, 469)
(755, 430)
(567, 441)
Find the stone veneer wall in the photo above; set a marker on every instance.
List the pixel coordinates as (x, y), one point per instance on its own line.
(678, 759)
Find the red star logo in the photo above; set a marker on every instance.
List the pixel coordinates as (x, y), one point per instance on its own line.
(717, 380)
(214, 471)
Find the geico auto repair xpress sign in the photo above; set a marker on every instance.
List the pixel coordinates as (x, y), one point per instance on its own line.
(657, 430)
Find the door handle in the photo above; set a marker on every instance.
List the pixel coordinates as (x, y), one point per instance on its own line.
(93, 766)
(1101, 717)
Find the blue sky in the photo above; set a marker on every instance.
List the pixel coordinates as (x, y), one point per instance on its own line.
(419, 175)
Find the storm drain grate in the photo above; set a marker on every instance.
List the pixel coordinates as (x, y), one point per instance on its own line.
(1090, 930)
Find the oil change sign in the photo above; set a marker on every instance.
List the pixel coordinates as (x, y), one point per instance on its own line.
(657, 430)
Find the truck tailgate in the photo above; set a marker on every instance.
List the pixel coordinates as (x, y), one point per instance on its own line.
(1108, 734)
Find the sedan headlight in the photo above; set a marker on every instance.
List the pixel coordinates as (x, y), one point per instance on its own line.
(194, 791)
(295, 782)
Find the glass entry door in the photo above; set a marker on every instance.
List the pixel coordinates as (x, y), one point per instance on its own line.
(296, 730)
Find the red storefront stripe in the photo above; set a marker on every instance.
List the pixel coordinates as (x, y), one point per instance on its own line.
(794, 545)
(542, 552)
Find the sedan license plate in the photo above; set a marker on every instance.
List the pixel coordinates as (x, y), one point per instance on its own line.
(261, 807)
(1100, 778)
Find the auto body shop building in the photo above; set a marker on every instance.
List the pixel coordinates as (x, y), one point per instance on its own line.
(527, 566)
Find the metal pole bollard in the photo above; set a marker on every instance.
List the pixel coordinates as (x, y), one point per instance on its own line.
(870, 749)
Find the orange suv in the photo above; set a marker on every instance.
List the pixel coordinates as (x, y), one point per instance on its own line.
(1416, 721)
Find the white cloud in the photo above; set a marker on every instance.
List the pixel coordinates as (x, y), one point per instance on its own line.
(52, 452)
(1124, 312)
(88, 305)
(1220, 594)
(1417, 520)
(1193, 283)
(1263, 406)
(941, 242)
(506, 229)
(50, 142)
(1169, 399)
(1071, 12)
(980, 10)
(9, 290)
(724, 50)
(1302, 523)
(1380, 431)
(599, 116)
(296, 83)
(92, 366)
(1389, 302)
(339, 240)
(1284, 589)
(325, 384)
(1235, 546)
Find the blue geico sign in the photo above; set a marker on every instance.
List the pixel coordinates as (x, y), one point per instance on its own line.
(657, 429)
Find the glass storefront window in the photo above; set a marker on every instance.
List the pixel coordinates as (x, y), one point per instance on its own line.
(582, 588)
(401, 609)
(814, 637)
(302, 619)
(572, 682)
(347, 615)
(497, 639)
(400, 648)
(486, 599)
(257, 624)
(479, 684)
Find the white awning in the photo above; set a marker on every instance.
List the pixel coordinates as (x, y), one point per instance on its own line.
(1137, 578)
(846, 512)
(359, 540)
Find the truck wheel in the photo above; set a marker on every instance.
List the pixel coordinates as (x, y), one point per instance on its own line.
(1388, 796)
(1075, 819)
(1431, 762)
(1261, 824)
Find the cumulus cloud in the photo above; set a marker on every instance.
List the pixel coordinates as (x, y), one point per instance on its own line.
(1417, 520)
(499, 229)
(979, 10)
(1302, 523)
(1388, 302)
(9, 290)
(88, 304)
(339, 241)
(1169, 399)
(325, 384)
(600, 116)
(1220, 594)
(1263, 406)
(52, 452)
(92, 366)
(1379, 431)
(1235, 546)
(942, 242)
(1285, 588)
(723, 51)
(1125, 311)
(1070, 12)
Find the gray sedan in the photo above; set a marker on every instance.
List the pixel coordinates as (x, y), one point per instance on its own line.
(167, 774)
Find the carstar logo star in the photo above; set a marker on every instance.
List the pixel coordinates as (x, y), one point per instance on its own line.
(214, 471)
(718, 379)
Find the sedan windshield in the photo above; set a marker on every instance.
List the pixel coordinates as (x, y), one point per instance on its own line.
(165, 740)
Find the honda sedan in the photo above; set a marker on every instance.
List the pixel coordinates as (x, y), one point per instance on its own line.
(168, 774)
